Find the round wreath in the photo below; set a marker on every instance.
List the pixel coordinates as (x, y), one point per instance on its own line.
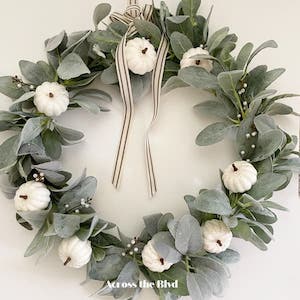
(179, 257)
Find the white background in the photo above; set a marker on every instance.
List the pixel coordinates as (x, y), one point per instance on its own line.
(181, 166)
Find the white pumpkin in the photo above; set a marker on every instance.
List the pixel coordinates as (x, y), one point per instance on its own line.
(216, 235)
(51, 98)
(152, 260)
(239, 177)
(140, 55)
(188, 61)
(32, 196)
(75, 253)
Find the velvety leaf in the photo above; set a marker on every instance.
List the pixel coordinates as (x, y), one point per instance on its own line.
(8, 87)
(213, 133)
(66, 225)
(214, 202)
(149, 31)
(173, 83)
(72, 66)
(243, 56)
(180, 44)
(8, 157)
(101, 11)
(215, 40)
(266, 184)
(198, 78)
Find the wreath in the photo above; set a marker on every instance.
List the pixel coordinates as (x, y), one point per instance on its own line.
(178, 257)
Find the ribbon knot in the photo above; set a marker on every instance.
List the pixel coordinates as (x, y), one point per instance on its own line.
(134, 11)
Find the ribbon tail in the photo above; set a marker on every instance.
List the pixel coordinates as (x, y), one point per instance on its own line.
(157, 78)
(126, 92)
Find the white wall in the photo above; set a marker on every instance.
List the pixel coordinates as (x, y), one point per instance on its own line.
(182, 167)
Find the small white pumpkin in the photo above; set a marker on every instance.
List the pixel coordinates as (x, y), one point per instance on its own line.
(51, 98)
(75, 253)
(188, 61)
(239, 177)
(216, 235)
(140, 55)
(152, 260)
(32, 196)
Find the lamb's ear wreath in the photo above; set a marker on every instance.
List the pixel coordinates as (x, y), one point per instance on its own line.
(193, 251)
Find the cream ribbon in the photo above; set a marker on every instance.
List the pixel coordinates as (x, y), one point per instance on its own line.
(132, 12)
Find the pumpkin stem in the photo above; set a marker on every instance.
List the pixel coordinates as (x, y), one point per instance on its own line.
(162, 261)
(198, 62)
(25, 197)
(67, 261)
(144, 51)
(51, 95)
(234, 167)
(219, 243)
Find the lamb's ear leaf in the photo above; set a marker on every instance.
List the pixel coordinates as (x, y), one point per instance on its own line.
(267, 44)
(148, 30)
(72, 66)
(101, 11)
(213, 133)
(180, 44)
(8, 87)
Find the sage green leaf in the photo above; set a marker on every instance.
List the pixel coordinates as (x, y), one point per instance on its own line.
(52, 144)
(128, 276)
(213, 133)
(77, 43)
(206, 26)
(84, 190)
(8, 87)
(101, 11)
(213, 202)
(267, 144)
(35, 218)
(31, 130)
(188, 235)
(213, 263)
(279, 109)
(229, 256)
(148, 30)
(175, 273)
(54, 42)
(72, 66)
(68, 134)
(198, 287)
(180, 44)
(86, 231)
(190, 7)
(198, 77)
(163, 243)
(8, 157)
(283, 96)
(98, 254)
(273, 205)
(151, 222)
(266, 231)
(243, 56)
(16, 104)
(109, 75)
(107, 269)
(268, 44)
(290, 164)
(264, 123)
(180, 24)
(162, 224)
(66, 225)
(106, 40)
(37, 73)
(266, 184)
(117, 28)
(213, 108)
(216, 39)
(173, 83)
(228, 82)
(41, 243)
